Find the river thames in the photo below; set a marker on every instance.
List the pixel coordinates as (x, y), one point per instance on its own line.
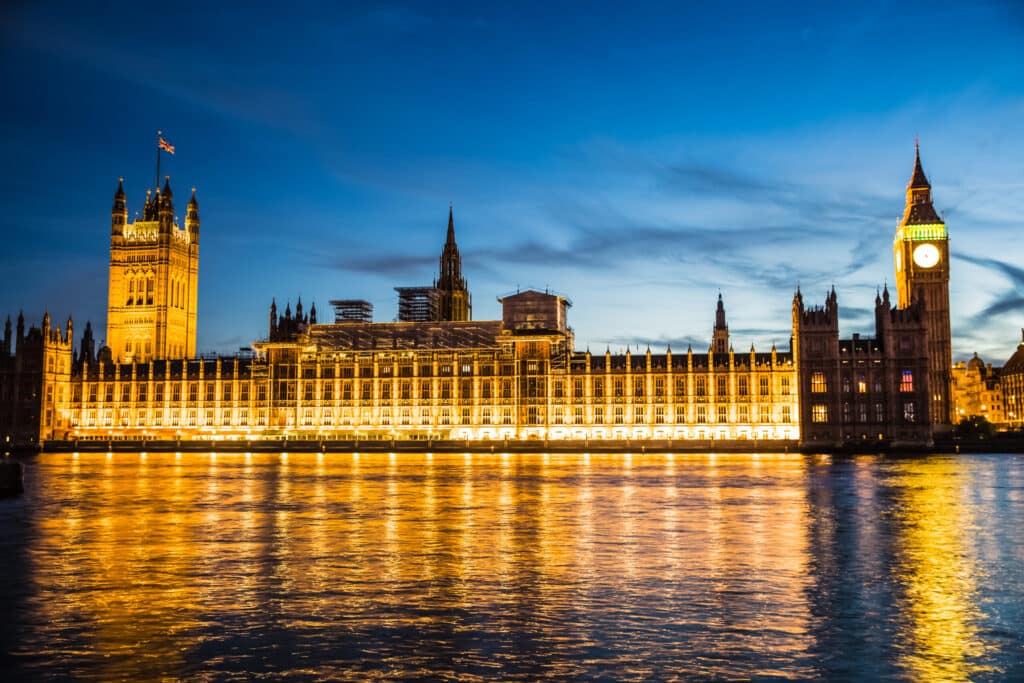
(485, 567)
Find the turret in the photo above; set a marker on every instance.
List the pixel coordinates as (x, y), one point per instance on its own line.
(273, 319)
(298, 311)
(150, 205)
(21, 327)
(119, 212)
(312, 314)
(7, 337)
(87, 351)
(165, 212)
(69, 339)
(192, 217)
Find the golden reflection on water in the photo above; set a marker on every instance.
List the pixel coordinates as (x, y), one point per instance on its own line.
(936, 567)
(476, 566)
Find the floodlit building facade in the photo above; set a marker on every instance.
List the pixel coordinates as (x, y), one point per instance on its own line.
(439, 374)
(978, 391)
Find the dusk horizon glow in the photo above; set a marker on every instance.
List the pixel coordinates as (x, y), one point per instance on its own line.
(638, 163)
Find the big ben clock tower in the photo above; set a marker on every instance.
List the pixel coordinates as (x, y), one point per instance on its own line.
(921, 254)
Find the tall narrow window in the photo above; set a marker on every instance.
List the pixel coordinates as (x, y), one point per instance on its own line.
(907, 381)
(819, 386)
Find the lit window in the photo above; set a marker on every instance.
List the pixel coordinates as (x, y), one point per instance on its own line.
(907, 381)
(818, 384)
(909, 411)
(819, 412)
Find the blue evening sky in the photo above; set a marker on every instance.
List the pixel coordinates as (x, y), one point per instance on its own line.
(636, 157)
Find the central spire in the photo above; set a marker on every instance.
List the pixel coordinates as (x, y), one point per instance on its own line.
(451, 228)
(454, 301)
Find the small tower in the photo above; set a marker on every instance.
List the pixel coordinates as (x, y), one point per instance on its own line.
(720, 336)
(119, 212)
(165, 210)
(192, 217)
(455, 303)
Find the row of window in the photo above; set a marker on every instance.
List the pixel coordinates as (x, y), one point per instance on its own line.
(423, 416)
(819, 385)
(820, 412)
(425, 390)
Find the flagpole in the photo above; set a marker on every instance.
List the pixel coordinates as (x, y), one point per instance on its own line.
(158, 133)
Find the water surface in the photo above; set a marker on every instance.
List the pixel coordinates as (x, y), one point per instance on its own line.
(614, 567)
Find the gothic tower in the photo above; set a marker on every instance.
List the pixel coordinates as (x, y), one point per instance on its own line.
(921, 254)
(154, 275)
(454, 302)
(720, 336)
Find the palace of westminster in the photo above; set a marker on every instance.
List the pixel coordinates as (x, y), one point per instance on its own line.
(438, 374)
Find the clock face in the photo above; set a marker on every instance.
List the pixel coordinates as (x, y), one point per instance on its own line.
(926, 255)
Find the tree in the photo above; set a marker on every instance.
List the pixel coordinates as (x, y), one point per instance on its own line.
(976, 427)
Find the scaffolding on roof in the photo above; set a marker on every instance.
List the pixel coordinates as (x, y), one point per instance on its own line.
(418, 304)
(352, 311)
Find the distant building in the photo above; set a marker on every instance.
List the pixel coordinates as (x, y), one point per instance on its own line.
(978, 391)
(1012, 379)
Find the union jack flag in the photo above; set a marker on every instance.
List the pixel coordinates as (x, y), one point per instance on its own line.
(166, 146)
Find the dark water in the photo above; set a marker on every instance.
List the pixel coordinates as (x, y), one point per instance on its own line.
(484, 567)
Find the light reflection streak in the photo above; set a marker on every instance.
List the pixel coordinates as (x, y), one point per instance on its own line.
(938, 575)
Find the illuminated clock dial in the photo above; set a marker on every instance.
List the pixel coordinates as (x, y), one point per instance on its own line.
(926, 255)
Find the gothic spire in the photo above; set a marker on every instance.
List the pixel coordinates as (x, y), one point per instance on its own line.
(720, 314)
(454, 294)
(919, 209)
(918, 179)
(450, 239)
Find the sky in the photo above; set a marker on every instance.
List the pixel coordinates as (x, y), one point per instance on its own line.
(638, 158)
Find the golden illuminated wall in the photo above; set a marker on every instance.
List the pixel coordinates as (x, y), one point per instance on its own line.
(473, 394)
(975, 392)
(55, 419)
(153, 290)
